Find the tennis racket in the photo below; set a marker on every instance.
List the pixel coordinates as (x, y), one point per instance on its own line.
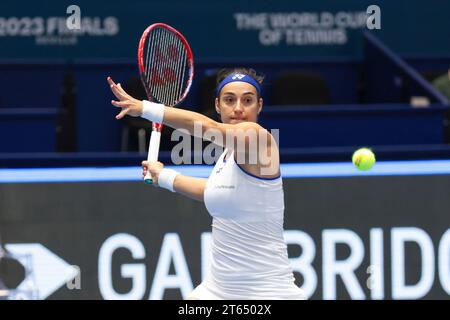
(166, 66)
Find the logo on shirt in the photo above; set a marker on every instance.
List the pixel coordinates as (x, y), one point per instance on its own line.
(224, 187)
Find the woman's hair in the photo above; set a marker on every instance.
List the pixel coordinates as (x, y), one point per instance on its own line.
(222, 74)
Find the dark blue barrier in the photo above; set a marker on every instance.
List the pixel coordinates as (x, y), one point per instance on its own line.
(429, 63)
(28, 130)
(31, 84)
(383, 153)
(353, 125)
(388, 78)
(288, 155)
(313, 127)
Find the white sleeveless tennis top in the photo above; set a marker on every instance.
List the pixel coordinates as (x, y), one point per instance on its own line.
(249, 254)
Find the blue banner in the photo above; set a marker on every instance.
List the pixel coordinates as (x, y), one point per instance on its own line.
(218, 30)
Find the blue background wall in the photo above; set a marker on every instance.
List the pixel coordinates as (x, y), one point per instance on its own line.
(212, 27)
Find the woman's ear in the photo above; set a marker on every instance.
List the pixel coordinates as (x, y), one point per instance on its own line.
(216, 102)
(260, 103)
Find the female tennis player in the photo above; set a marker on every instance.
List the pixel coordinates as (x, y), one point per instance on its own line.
(249, 253)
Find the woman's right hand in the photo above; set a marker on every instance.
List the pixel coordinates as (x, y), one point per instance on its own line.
(130, 106)
(154, 168)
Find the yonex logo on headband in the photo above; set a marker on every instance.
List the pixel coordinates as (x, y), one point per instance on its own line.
(239, 77)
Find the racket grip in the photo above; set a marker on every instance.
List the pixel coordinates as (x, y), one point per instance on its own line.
(153, 151)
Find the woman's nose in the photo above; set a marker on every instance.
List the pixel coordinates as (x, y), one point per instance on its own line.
(238, 107)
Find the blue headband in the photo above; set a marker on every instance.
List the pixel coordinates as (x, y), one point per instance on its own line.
(239, 77)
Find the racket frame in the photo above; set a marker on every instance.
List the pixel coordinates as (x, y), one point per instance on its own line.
(155, 137)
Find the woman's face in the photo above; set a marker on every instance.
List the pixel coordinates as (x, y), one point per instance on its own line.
(238, 102)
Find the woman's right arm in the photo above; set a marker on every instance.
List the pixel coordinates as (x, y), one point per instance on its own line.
(190, 187)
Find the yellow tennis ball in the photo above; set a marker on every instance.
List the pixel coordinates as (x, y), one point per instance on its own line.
(363, 159)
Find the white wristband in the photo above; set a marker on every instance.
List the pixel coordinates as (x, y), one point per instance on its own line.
(166, 178)
(152, 111)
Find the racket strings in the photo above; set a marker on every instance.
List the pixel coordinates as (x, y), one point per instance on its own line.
(165, 66)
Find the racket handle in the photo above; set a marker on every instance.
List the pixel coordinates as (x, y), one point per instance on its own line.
(153, 150)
